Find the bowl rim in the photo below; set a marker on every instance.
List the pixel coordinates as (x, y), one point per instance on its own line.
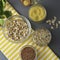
(28, 23)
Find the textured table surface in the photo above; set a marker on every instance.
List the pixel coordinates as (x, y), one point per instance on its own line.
(53, 9)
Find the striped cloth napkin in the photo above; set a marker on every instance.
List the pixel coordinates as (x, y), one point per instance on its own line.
(11, 50)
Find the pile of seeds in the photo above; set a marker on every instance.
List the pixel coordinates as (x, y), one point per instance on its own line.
(54, 23)
(28, 53)
(42, 36)
(17, 29)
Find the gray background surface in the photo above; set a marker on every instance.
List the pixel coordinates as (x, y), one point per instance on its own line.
(2, 56)
(53, 9)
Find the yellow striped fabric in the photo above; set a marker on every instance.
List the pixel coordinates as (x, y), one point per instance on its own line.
(11, 50)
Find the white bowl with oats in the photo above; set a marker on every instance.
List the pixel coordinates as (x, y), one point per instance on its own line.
(17, 28)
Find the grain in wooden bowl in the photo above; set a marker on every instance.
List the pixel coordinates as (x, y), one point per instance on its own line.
(28, 53)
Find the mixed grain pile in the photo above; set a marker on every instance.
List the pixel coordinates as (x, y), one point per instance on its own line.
(17, 29)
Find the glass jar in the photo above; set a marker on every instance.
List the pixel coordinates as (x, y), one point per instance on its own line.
(16, 28)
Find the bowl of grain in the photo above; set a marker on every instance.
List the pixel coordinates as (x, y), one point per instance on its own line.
(42, 36)
(37, 13)
(17, 28)
(28, 52)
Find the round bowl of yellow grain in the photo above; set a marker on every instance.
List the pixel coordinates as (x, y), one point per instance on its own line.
(37, 13)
